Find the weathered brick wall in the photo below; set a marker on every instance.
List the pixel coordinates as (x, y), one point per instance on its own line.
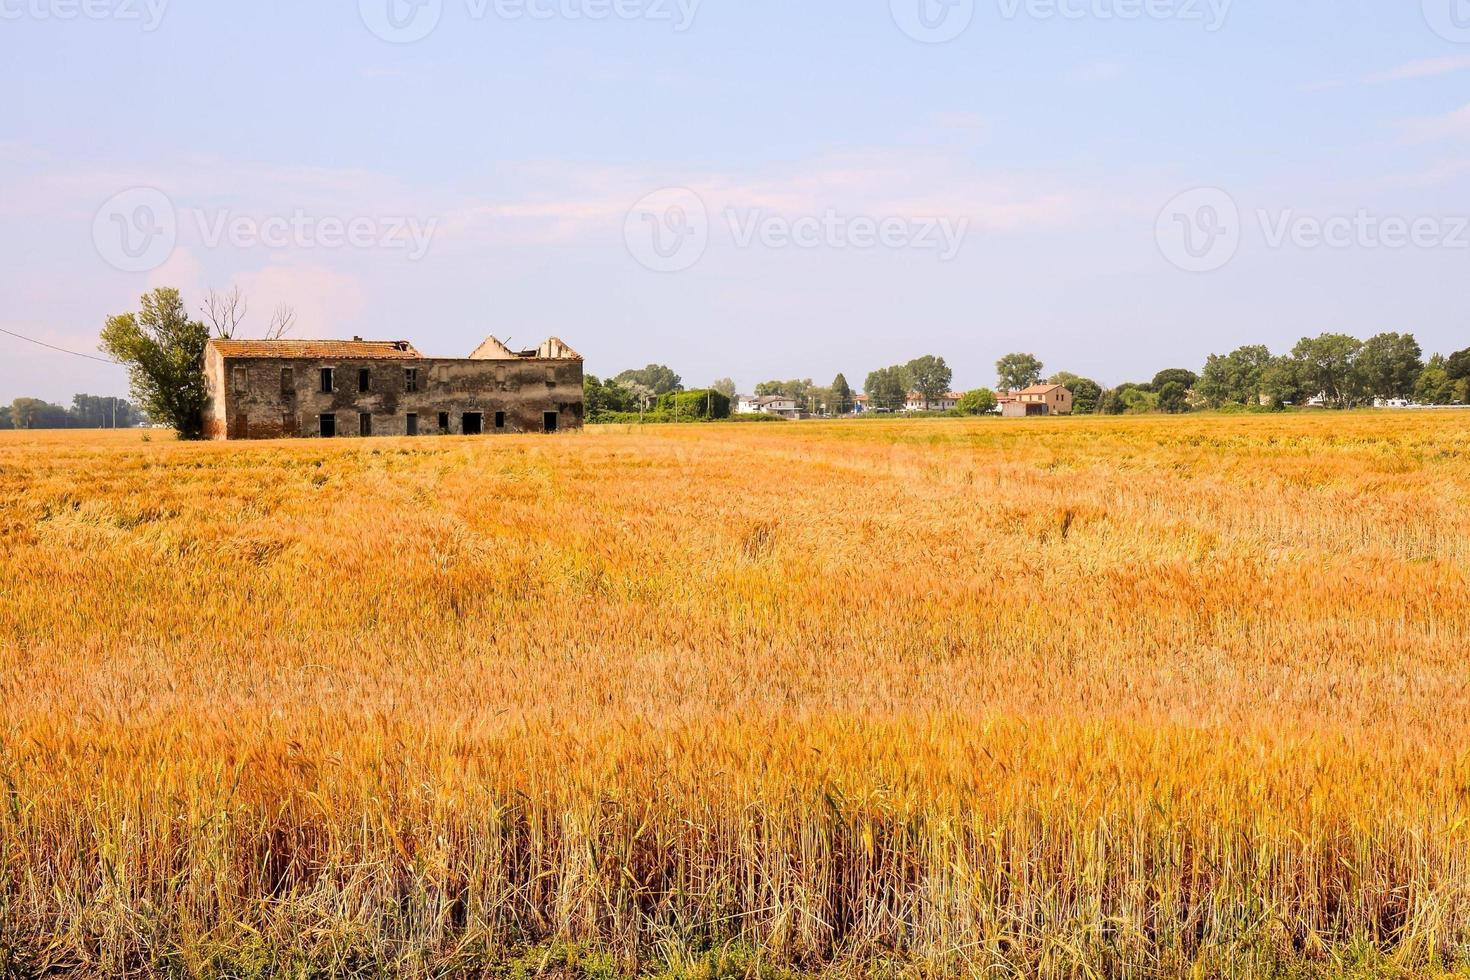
(252, 398)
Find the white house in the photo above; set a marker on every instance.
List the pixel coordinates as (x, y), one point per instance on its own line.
(915, 402)
(767, 405)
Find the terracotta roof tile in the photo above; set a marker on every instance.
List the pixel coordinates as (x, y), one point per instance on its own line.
(383, 350)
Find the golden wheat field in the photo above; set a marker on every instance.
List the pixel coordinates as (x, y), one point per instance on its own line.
(1135, 697)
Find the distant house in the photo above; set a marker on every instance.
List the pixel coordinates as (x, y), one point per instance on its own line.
(1036, 400)
(916, 402)
(781, 405)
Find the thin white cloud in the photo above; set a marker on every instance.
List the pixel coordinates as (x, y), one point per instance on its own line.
(1423, 68)
(1451, 125)
(872, 183)
(1410, 71)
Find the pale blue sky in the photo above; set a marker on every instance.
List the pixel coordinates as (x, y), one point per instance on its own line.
(509, 149)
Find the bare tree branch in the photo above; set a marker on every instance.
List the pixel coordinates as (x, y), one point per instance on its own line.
(225, 311)
(283, 320)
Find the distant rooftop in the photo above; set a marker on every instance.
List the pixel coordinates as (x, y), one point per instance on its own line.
(383, 350)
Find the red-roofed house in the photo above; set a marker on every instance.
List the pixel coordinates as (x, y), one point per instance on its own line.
(1036, 400)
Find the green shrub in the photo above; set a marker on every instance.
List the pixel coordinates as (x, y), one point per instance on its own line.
(705, 403)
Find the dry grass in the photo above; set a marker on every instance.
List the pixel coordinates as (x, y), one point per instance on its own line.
(1136, 697)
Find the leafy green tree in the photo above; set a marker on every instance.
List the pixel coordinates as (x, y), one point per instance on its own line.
(1234, 377)
(799, 390)
(1389, 365)
(887, 388)
(1282, 384)
(1433, 386)
(601, 397)
(657, 378)
(1457, 366)
(1328, 365)
(95, 412)
(1173, 398)
(981, 401)
(1138, 400)
(1086, 393)
(1175, 376)
(692, 405)
(1018, 371)
(726, 387)
(818, 399)
(842, 397)
(34, 413)
(5, 422)
(930, 377)
(164, 352)
(1112, 403)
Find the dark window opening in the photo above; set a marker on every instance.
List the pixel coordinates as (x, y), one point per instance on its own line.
(288, 381)
(328, 426)
(443, 421)
(413, 424)
(474, 424)
(548, 421)
(499, 420)
(411, 379)
(364, 424)
(364, 379)
(327, 385)
(240, 381)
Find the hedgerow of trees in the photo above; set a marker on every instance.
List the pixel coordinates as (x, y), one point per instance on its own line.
(86, 412)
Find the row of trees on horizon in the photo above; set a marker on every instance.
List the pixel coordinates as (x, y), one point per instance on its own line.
(1340, 370)
(162, 347)
(85, 412)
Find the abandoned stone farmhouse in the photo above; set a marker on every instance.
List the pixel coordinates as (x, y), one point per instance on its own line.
(283, 389)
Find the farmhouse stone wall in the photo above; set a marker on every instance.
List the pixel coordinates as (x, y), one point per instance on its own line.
(276, 398)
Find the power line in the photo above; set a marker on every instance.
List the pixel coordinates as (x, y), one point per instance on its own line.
(62, 350)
